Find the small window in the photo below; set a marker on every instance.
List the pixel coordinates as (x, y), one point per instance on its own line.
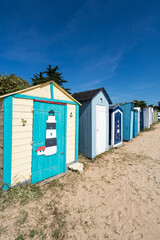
(51, 127)
(51, 141)
(50, 134)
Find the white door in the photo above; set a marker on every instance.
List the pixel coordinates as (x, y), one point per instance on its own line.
(100, 129)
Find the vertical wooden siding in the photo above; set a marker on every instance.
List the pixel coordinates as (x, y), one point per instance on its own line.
(1, 140)
(21, 140)
(127, 121)
(85, 128)
(71, 126)
(99, 99)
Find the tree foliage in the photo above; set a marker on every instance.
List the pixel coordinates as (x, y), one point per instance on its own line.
(11, 83)
(141, 104)
(49, 75)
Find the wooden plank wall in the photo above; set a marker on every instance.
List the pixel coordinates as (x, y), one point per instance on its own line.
(59, 95)
(43, 92)
(71, 128)
(1, 140)
(21, 140)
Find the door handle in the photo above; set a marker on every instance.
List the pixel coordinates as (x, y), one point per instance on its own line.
(62, 153)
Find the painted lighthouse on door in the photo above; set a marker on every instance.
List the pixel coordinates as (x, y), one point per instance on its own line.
(50, 147)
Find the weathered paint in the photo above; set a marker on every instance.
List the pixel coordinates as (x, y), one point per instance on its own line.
(1, 140)
(7, 145)
(127, 121)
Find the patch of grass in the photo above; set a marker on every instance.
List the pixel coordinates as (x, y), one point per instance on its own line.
(32, 233)
(58, 224)
(2, 230)
(22, 194)
(20, 238)
(149, 129)
(56, 184)
(22, 218)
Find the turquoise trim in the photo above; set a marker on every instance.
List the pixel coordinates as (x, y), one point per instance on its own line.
(65, 143)
(77, 132)
(39, 98)
(52, 93)
(7, 145)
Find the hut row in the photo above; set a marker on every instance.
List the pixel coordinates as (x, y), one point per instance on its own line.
(43, 128)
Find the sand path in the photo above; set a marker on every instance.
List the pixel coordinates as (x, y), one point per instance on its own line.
(117, 196)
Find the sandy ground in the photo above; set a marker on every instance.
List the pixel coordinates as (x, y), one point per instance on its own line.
(117, 197)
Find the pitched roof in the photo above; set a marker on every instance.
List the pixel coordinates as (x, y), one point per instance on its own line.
(37, 86)
(89, 95)
(41, 148)
(112, 107)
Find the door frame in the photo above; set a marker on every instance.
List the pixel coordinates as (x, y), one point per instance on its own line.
(113, 128)
(65, 132)
(97, 105)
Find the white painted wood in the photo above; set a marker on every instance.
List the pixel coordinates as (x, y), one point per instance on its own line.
(100, 129)
(138, 118)
(41, 91)
(59, 95)
(71, 128)
(21, 140)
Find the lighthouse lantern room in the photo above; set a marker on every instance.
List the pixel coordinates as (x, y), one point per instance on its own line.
(50, 147)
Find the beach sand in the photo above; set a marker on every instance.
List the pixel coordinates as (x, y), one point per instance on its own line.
(116, 197)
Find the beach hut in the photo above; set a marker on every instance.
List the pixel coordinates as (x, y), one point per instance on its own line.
(155, 116)
(93, 121)
(128, 116)
(38, 133)
(135, 123)
(142, 124)
(115, 126)
(148, 117)
(138, 118)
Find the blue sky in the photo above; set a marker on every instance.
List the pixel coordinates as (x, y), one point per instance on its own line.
(110, 43)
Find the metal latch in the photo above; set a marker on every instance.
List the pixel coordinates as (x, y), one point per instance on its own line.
(62, 153)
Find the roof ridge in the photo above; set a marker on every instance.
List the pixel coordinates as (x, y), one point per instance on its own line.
(96, 89)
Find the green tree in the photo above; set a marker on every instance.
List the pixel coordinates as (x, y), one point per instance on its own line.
(11, 83)
(49, 75)
(156, 108)
(141, 104)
